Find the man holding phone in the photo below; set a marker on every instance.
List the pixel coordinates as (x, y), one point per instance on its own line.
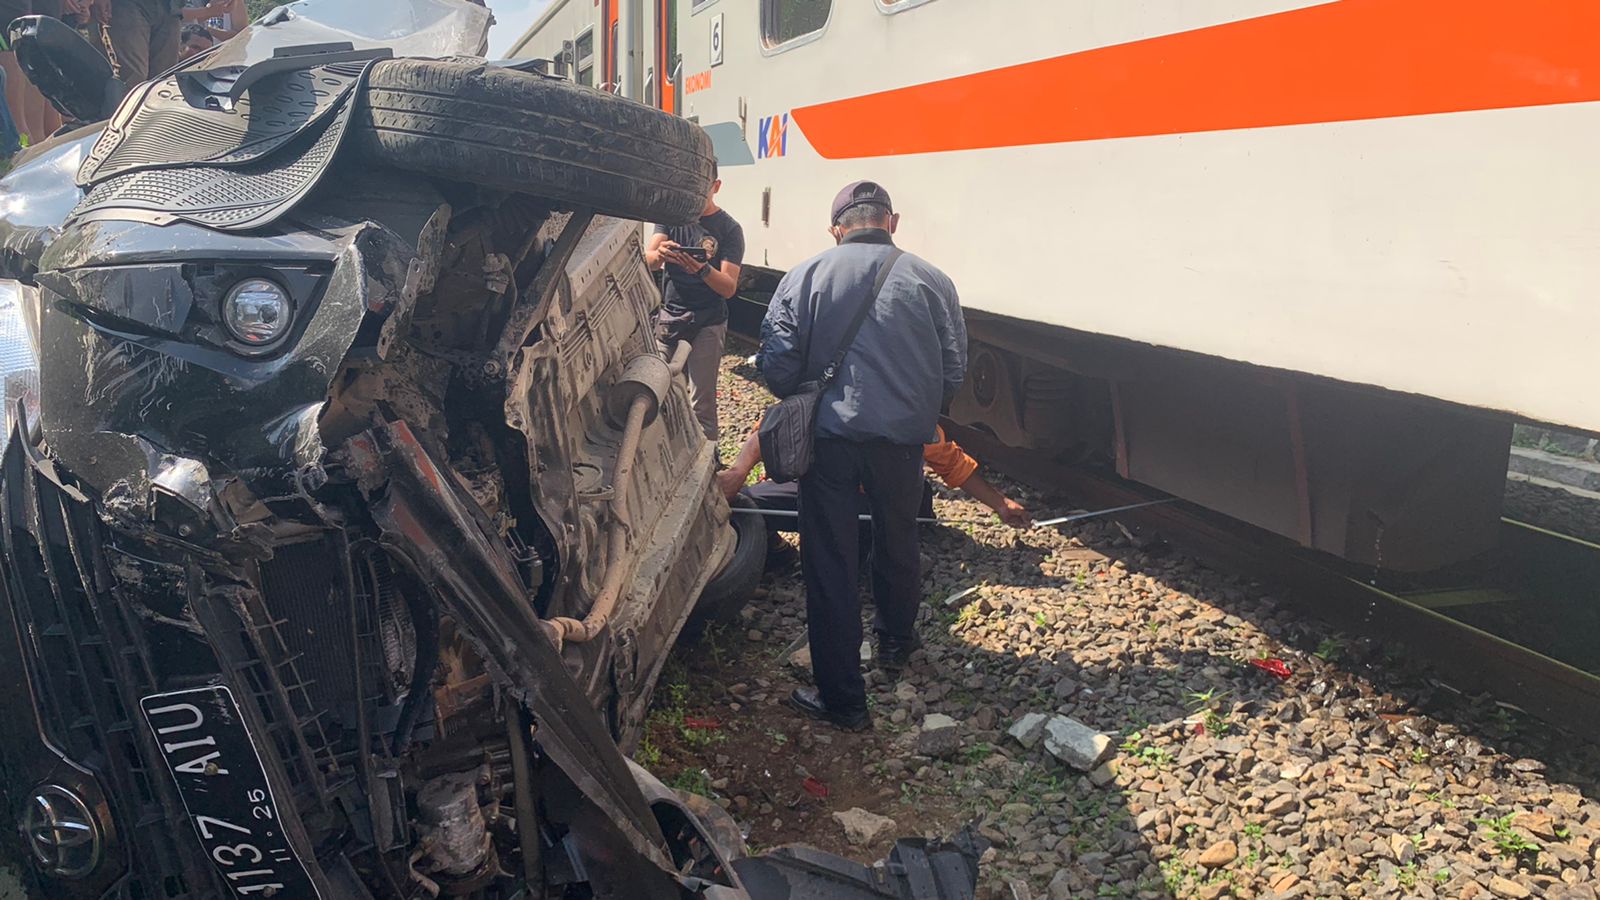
(702, 261)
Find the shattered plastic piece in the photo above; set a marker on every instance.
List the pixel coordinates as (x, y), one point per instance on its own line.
(1273, 666)
(814, 787)
(958, 595)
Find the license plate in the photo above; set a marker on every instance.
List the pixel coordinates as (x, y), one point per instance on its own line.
(225, 791)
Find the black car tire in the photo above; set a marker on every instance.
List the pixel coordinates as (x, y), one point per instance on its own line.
(730, 589)
(527, 133)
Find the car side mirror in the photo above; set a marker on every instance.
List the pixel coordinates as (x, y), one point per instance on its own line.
(74, 76)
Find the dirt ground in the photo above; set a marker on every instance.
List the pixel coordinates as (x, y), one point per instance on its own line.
(1358, 775)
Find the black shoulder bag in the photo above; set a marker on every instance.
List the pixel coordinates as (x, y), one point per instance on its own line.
(789, 430)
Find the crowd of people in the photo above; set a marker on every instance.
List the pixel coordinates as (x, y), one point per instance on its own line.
(141, 38)
(892, 323)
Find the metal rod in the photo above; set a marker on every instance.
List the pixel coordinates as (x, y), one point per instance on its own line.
(792, 514)
(1075, 517)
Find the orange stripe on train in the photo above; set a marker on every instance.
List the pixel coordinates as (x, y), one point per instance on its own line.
(1341, 61)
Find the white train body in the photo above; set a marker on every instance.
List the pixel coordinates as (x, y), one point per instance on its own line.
(1375, 199)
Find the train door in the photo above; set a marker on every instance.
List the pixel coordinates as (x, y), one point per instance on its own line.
(664, 92)
(611, 46)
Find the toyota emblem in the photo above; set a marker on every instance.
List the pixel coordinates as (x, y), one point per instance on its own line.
(62, 832)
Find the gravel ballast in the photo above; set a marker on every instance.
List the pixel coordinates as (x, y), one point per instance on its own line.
(1358, 775)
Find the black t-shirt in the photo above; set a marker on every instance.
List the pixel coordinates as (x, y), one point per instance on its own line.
(723, 240)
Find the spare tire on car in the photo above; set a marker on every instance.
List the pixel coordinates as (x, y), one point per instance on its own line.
(531, 134)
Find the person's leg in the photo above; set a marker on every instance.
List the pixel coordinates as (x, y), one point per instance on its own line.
(892, 475)
(828, 564)
(130, 41)
(10, 139)
(166, 38)
(17, 89)
(42, 116)
(705, 363)
(53, 119)
(770, 495)
(775, 497)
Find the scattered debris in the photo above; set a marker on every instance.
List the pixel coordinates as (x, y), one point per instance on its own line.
(958, 596)
(940, 736)
(1273, 666)
(1075, 743)
(861, 827)
(1029, 729)
(1310, 778)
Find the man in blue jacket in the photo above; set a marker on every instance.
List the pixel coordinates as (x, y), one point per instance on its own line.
(902, 368)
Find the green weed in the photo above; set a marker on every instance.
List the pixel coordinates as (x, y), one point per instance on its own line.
(694, 781)
(976, 753)
(648, 754)
(1508, 842)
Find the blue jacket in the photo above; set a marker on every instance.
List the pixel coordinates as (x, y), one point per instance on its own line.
(905, 364)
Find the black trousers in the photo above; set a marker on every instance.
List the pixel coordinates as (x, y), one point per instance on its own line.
(786, 496)
(830, 497)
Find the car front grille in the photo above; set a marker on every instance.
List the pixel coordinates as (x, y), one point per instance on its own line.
(103, 618)
(87, 664)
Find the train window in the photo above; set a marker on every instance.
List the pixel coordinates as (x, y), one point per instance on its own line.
(583, 56)
(786, 21)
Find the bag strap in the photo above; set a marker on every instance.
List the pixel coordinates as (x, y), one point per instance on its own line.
(832, 371)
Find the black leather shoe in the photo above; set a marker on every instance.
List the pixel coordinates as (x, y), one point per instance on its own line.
(894, 654)
(809, 701)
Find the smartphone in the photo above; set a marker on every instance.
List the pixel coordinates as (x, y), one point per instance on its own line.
(695, 253)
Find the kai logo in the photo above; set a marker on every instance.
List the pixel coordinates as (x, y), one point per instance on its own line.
(772, 137)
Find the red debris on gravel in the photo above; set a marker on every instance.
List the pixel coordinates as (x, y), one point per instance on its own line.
(1273, 666)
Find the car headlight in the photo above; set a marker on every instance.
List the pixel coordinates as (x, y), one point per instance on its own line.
(19, 354)
(257, 313)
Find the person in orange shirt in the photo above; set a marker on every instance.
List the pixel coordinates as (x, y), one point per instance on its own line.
(944, 458)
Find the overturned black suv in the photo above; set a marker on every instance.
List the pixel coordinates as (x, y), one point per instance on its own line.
(349, 505)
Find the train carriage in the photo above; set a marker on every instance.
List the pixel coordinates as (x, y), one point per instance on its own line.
(1302, 263)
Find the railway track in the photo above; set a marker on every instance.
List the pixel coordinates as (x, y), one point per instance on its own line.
(1383, 606)
(1517, 625)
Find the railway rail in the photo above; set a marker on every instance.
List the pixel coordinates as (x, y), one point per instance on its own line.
(1535, 576)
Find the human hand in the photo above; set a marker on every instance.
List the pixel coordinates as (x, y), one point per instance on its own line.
(1012, 513)
(672, 253)
(730, 482)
